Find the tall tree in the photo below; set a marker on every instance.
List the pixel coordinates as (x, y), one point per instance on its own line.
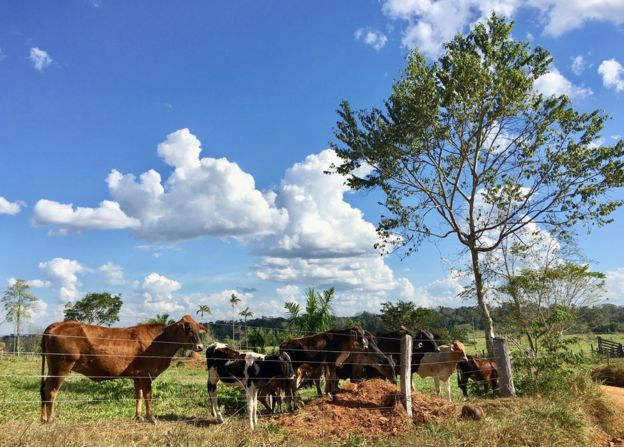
(466, 147)
(318, 315)
(246, 313)
(234, 300)
(204, 309)
(18, 303)
(95, 308)
(544, 301)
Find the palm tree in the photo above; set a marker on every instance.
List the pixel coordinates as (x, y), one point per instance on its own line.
(204, 309)
(17, 303)
(160, 319)
(246, 313)
(318, 312)
(234, 300)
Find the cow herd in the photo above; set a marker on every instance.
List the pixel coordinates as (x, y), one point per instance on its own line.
(143, 352)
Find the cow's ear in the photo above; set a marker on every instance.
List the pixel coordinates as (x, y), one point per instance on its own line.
(202, 329)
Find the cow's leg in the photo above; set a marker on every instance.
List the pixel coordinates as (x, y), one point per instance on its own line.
(137, 400)
(51, 386)
(447, 383)
(255, 405)
(462, 382)
(436, 381)
(265, 396)
(147, 397)
(250, 404)
(212, 392)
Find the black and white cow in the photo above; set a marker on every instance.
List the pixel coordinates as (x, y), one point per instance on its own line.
(255, 373)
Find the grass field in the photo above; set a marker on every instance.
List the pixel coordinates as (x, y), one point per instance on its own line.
(100, 414)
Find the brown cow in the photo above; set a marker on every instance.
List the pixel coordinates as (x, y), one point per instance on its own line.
(479, 370)
(330, 349)
(139, 352)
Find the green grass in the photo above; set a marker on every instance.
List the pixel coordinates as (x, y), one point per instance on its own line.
(183, 410)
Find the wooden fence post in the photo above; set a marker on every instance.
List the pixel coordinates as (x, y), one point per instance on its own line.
(406, 372)
(503, 364)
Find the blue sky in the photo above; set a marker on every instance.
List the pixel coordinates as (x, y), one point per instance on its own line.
(104, 106)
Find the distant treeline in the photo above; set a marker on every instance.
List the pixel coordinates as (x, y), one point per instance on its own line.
(600, 319)
(448, 322)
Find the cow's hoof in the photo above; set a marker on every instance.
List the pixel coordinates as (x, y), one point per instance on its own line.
(152, 420)
(139, 418)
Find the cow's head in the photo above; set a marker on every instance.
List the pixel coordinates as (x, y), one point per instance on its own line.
(380, 361)
(458, 346)
(424, 341)
(189, 331)
(360, 341)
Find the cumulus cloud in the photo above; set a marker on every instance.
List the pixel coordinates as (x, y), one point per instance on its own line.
(64, 273)
(10, 208)
(202, 197)
(615, 286)
(554, 83)
(158, 293)
(372, 37)
(321, 223)
(430, 23)
(40, 59)
(612, 74)
(114, 274)
(108, 216)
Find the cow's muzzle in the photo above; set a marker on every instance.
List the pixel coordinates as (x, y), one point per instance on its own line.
(198, 347)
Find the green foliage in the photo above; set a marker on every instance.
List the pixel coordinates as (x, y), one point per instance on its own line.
(18, 303)
(260, 338)
(204, 309)
(318, 315)
(160, 319)
(95, 308)
(466, 147)
(544, 302)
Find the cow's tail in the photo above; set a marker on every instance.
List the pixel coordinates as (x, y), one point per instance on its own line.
(43, 357)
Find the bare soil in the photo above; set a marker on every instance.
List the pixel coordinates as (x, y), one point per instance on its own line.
(368, 409)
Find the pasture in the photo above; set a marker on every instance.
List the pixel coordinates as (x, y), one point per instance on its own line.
(100, 414)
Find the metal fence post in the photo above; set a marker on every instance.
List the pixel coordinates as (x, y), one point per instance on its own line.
(503, 363)
(406, 372)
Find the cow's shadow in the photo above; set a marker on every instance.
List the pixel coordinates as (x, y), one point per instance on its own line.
(194, 421)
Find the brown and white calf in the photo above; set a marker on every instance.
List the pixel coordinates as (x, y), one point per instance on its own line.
(440, 365)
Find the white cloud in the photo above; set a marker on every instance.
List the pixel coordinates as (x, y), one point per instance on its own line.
(34, 283)
(372, 37)
(612, 74)
(554, 83)
(64, 273)
(114, 274)
(202, 197)
(288, 292)
(321, 223)
(158, 294)
(108, 216)
(430, 23)
(10, 208)
(40, 58)
(578, 65)
(615, 286)
(562, 16)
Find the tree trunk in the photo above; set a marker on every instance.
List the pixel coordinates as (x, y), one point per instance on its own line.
(16, 345)
(483, 308)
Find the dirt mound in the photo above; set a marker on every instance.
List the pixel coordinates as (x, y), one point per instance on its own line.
(371, 408)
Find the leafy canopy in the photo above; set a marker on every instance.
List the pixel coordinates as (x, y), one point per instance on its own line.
(17, 302)
(95, 308)
(466, 146)
(318, 314)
